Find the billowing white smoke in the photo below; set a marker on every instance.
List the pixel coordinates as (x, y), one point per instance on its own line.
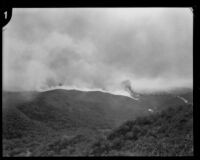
(96, 49)
(128, 87)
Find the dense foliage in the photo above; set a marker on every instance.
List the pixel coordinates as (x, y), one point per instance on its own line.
(169, 133)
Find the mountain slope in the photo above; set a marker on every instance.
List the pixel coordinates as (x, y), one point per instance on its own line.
(71, 109)
(169, 133)
(70, 122)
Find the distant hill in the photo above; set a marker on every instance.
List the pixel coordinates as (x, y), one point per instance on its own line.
(71, 109)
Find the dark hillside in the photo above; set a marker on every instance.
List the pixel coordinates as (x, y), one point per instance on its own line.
(18, 125)
(70, 122)
(72, 109)
(169, 133)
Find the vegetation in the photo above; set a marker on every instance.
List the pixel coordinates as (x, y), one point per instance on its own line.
(60, 124)
(169, 133)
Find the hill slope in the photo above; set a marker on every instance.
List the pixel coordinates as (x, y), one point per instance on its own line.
(69, 122)
(71, 109)
(169, 133)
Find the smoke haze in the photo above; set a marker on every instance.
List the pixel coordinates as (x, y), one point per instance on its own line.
(98, 49)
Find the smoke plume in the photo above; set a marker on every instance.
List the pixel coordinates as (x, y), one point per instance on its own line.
(98, 48)
(128, 87)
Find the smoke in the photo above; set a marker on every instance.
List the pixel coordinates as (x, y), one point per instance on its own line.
(128, 87)
(98, 48)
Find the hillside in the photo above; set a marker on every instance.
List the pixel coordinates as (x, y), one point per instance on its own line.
(43, 118)
(72, 109)
(169, 133)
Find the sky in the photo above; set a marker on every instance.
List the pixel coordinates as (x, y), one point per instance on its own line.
(98, 49)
